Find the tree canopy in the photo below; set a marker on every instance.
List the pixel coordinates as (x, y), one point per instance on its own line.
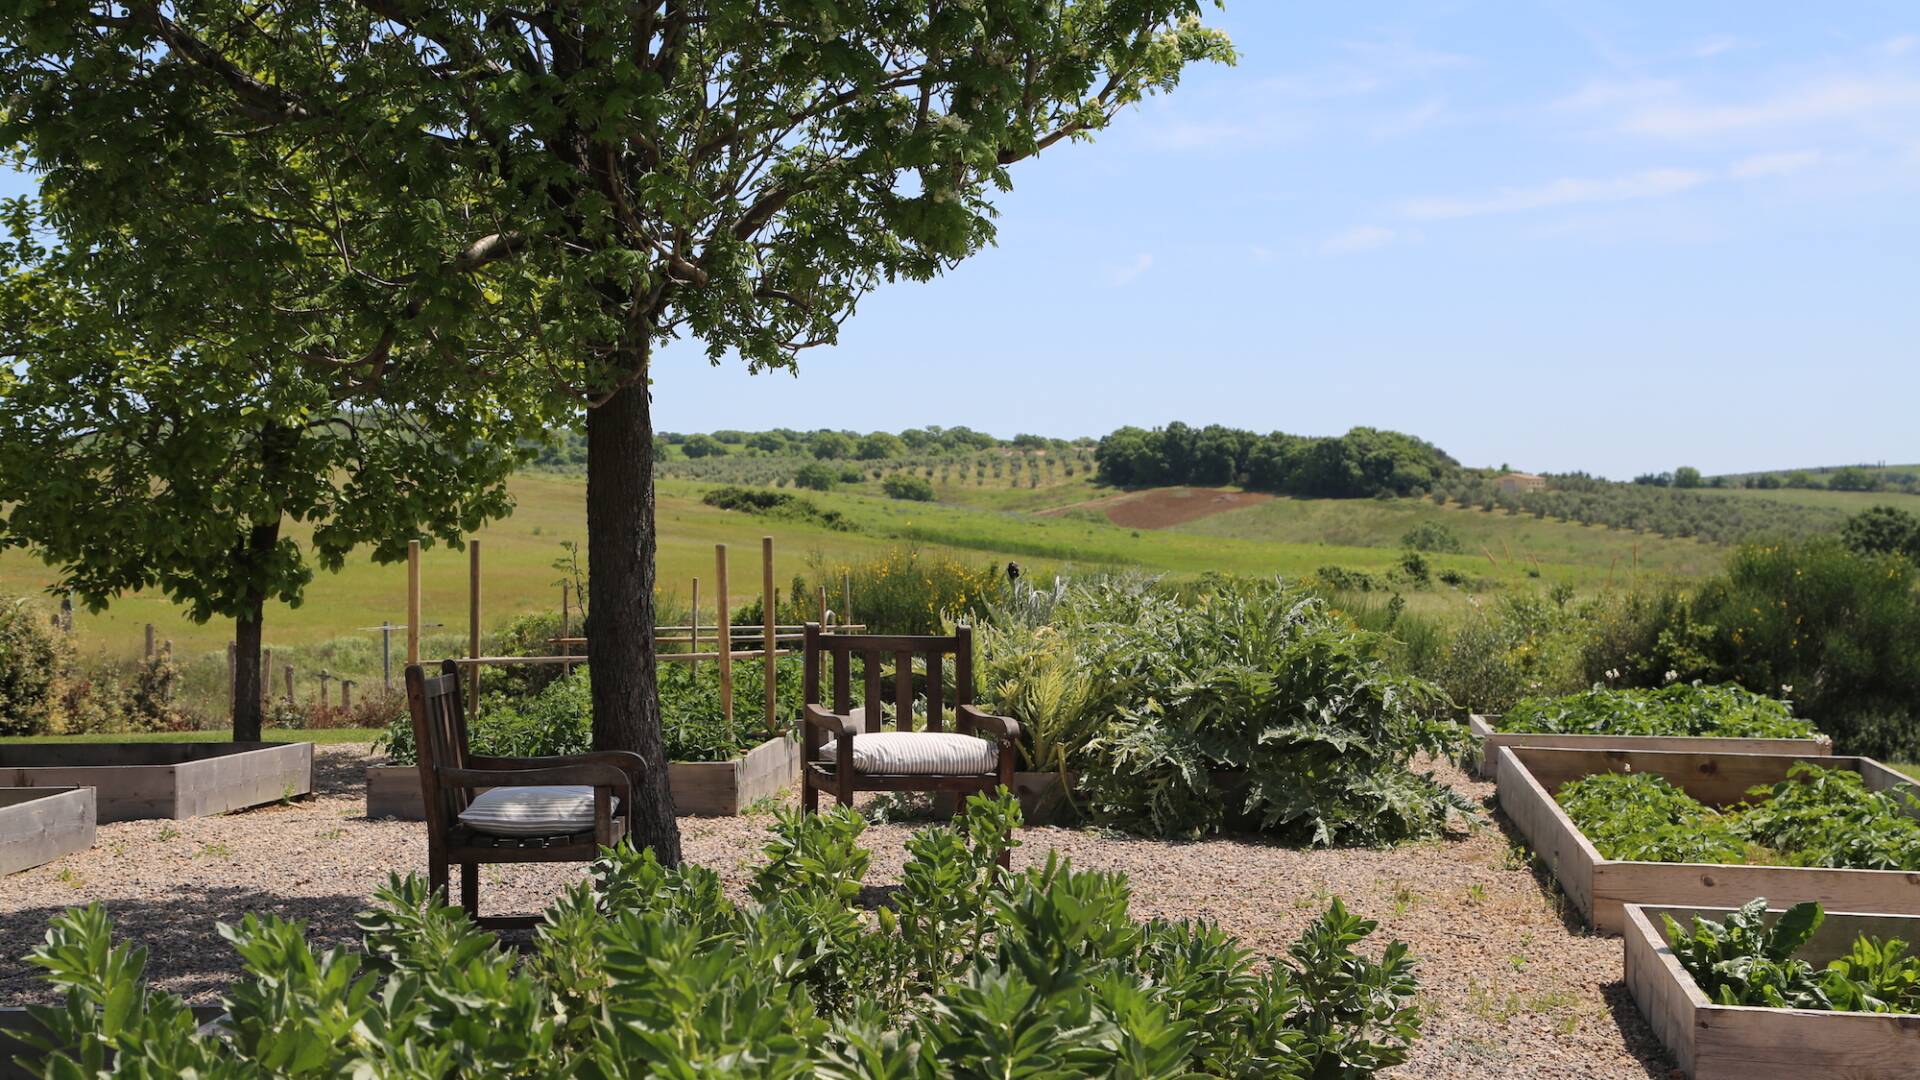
(1363, 462)
(571, 185)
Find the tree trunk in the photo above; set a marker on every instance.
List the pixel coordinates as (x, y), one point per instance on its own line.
(620, 574)
(248, 679)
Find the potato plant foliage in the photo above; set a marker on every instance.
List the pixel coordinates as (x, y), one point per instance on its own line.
(1681, 709)
(1815, 817)
(967, 971)
(1749, 960)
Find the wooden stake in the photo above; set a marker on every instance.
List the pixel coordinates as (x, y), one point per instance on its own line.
(149, 641)
(473, 628)
(232, 650)
(823, 607)
(566, 621)
(767, 622)
(723, 632)
(846, 596)
(693, 625)
(413, 601)
(266, 675)
(289, 684)
(346, 695)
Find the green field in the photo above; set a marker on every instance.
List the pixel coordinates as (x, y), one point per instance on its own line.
(1851, 502)
(1288, 536)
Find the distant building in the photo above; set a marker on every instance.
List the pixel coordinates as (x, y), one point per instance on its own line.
(1516, 482)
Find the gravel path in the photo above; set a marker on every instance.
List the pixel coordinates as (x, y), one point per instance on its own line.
(1511, 986)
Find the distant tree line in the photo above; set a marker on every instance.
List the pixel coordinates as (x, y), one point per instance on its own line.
(1648, 508)
(1363, 462)
(567, 448)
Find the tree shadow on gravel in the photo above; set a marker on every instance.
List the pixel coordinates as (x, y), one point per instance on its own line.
(1635, 1032)
(186, 954)
(337, 775)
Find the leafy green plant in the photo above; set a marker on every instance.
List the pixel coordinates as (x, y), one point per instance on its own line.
(909, 488)
(642, 970)
(34, 659)
(1250, 705)
(1643, 817)
(1749, 960)
(1679, 709)
(1828, 817)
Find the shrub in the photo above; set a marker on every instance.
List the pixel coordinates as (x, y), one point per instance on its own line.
(911, 488)
(908, 591)
(1680, 709)
(1883, 530)
(1255, 678)
(968, 971)
(1433, 536)
(34, 661)
(1523, 645)
(776, 504)
(817, 476)
(1841, 629)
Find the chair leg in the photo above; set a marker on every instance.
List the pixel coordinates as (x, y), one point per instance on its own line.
(845, 792)
(437, 877)
(470, 889)
(809, 795)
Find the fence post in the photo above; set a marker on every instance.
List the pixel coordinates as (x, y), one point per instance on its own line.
(413, 601)
(566, 623)
(289, 684)
(723, 633)
(473, 628)
(346, 695)
(693, 629)
(325, 678)
(266, 676)
(149, 641)
(767, 622)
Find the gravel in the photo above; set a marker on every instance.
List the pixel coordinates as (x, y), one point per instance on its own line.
(1511, 985)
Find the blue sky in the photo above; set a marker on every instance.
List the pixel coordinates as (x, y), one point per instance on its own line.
(1616, 238)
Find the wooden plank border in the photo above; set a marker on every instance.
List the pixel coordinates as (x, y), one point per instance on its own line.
(39, 825)
(134, 781)
(1599, 887)
(1487, 741)
(700, 788)
(1743, 1042)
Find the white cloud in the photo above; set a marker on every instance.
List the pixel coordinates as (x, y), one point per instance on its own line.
(1775, 164)
(1714, 46)
(1567, 191)
(1899, 46)
(1357, 239)
(1128, 272)
(1822, 102)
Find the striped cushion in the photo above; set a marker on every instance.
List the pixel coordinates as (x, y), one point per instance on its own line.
(532, 811)
(919, 753)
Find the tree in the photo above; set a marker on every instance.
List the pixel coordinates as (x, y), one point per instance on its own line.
(1853, 478)
(617, 172)
(163, 420)
(1883, 530)
(831, 446)
(701, 446)
(879, 446)
(1686, 476)
(817, 475)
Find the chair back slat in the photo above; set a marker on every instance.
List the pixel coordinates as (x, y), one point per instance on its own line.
(439, 737)
(936, 675)
(875, 704)
(872, 651)
(903, 690)
(963, 665)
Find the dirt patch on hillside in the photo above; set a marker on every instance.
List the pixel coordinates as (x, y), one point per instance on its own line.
(1163, 508)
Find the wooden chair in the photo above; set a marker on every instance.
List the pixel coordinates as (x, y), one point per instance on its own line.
(450, 776)
(832, 736)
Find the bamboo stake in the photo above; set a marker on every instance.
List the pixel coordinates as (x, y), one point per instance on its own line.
(473, 628)
(413, 601)
(767, 623)
(723, 632)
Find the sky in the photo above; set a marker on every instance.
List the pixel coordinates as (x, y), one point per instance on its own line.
(1616, 238)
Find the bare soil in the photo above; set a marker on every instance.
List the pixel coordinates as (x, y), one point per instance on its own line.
(1511, 985)
(1163, 508)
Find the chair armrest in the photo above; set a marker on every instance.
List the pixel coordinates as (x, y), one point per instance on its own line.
(625, 760)
(1004, 728)
(591, 774)
(831, 723)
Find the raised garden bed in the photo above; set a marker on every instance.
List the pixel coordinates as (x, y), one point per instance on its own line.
(1529, 777)
(38, 825)
(164, 780)
(1488, 741)
(701, 788)
(1743, 1042)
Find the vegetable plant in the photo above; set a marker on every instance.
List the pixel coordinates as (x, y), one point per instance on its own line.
(1749, 960)
(645, 970)
(1679, 709)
